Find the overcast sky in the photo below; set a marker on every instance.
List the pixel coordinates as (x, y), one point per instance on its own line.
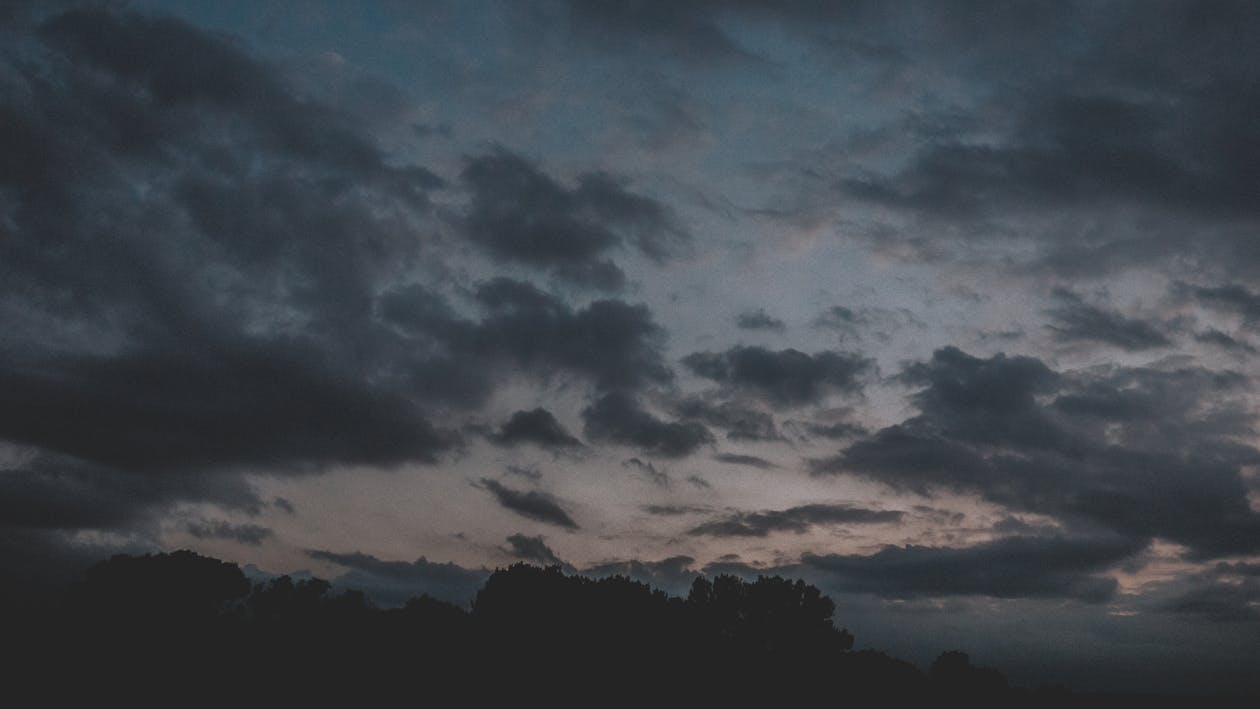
(950, 308)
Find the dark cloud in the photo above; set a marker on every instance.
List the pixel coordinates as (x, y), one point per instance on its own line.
(841, 319)
(1231, 298)
(393, 583)
(741, 422)
(749, 460)
(699, 482)
(794, 519)
(538, 506)
(1087, 148)
(1076, 320)
(284, 505)
(1089, 141)
(1225, 341)
(189, 250)
(59, 493)
(521, 215)
(759, 320)
(251, 534)
(243, 309)
(619, 418)
(533, 549)
(650, 471)
(1220, 601)
(1226, 593)
(538, 426)
(612, 343)
(684, 32)
(1109, 122)
(1012, 567)
(835, 431)
(949, 518)
(673, 510)
(40, 563)
(237, 403)
(786, 377)
(1141, 451)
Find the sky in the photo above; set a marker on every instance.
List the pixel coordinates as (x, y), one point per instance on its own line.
(946, 308)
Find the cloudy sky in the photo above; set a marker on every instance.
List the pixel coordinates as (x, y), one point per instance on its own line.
(945, 307)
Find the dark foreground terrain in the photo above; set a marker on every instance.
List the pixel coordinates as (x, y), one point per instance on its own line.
(182, 629)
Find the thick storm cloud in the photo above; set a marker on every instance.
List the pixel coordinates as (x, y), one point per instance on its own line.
(158, 330)
(1142, 451)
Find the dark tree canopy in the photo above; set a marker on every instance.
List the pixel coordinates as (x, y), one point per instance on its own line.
(147, 627)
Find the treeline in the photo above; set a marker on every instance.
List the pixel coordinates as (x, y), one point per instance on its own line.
(182, 628)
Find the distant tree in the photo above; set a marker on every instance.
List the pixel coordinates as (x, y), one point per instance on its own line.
(952, 673)
(770, 614)
(179, 587)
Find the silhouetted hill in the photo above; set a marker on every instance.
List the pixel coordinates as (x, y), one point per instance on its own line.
(182, 628)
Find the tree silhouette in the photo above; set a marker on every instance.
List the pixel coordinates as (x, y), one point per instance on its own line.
(149, 628)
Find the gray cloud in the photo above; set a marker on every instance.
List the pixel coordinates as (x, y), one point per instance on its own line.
(1082, 148)
(786, 377)
(1012, 567)
(51, 492)
(835, 431)
(1226, 342)
(795, 519)
(1231, 298)
(699, 482)
(538, 426)
(673, 510)
(1220, 600)
(618, 418)
(538, 506)
(612, 343)
(1076, 320)
(534, 550)
(749, 460)
(519, 214)
(529, 472)
(160, 342)
(741, 422)
(650, 471)
(841, 319)
(251, 534)
(759, 320)
(1144, 452)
